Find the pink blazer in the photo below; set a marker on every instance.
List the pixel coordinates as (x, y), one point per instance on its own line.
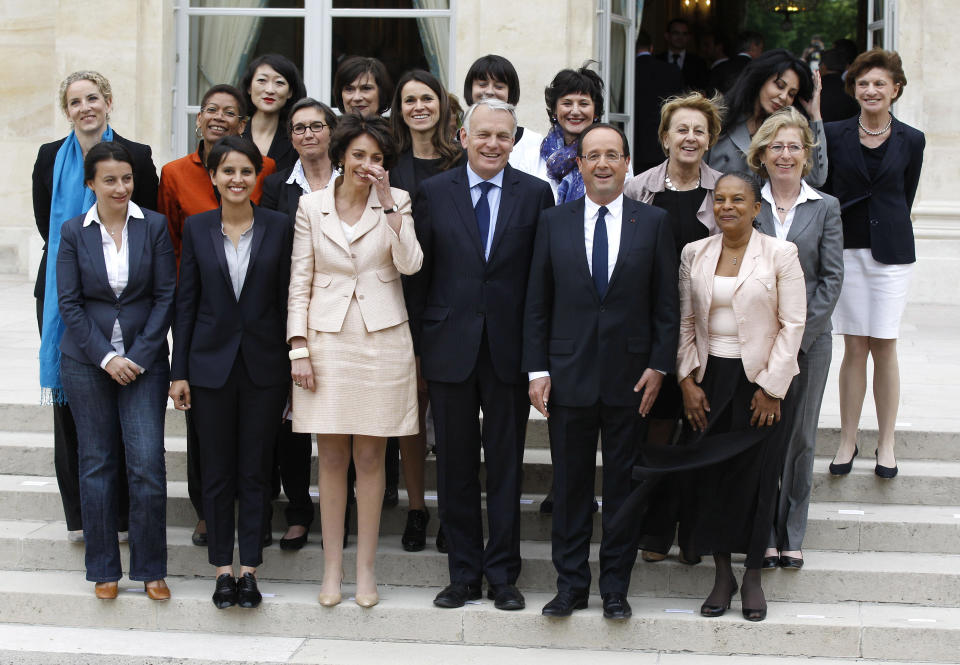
(770, 303)
(644, 186)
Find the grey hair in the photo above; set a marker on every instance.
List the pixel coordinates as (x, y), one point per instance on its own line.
(492, 103)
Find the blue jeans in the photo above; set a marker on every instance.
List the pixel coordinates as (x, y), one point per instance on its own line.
(109, 416)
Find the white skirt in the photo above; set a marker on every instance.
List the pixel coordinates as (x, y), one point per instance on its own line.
(873, 296)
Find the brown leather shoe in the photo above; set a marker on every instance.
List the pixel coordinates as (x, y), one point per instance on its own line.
(157, 590)
(106, 590)
(652, 557)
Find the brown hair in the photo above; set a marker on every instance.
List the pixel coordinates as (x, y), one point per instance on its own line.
(712, 109)
(888, 60)
(782, 119)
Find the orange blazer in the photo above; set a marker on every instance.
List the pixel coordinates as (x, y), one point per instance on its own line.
(326, 271)
(770, 303)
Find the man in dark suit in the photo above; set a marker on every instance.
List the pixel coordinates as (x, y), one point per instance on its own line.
(691, 65)
(476, 225)
(655, 80)
(726, 73)
(835, 103)
(601, 322)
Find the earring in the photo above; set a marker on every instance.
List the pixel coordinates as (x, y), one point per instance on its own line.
(553, 119)
(196, 132)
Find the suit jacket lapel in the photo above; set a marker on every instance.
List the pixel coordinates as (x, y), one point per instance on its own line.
(93, 240)
(579, 246)
(892, 155)
(855, 149)
(370, 217)
(802, 217)
(464, 206)
(293, 193)
(628, 228)
(711, 257)
(259, 231)
(768, 222)
(740, 136)
(508, 200)
(216, 238)
(136, 240)
(750, 258)
(330, 220)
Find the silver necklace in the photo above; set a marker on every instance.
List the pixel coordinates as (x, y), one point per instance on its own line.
(876, 133)
(673, 188)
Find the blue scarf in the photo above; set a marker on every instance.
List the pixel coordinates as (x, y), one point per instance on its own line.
(561, 162)
(70, 198)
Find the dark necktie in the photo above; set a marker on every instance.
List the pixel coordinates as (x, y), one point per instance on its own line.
(676, 59)
(482, 212)
(600, 253)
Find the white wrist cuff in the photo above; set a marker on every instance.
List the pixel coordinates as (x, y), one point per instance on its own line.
(302, 352)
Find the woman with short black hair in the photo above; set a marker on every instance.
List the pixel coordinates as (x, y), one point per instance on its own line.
(362, 85)
(271, 86)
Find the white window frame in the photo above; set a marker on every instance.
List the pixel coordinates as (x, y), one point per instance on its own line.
(605, 19)
(318, 18)
(888, 24)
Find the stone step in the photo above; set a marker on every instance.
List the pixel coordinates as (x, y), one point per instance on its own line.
(831, 525)
(911, 443)
(886, 577)
(40, 645)
(834, 630)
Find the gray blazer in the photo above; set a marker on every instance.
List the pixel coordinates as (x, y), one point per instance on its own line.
(818, 234)
(730, 152)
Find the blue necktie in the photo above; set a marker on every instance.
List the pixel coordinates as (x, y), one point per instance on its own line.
(600, 253)
(482, 212)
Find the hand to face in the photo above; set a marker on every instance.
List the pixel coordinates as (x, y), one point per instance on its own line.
(766, 410)
(813, 106)
(695, 404)
(379, 179)
(122, 371)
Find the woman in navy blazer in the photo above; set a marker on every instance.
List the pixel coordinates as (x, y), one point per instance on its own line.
(230, 358)
(116, 276)
(875, 165)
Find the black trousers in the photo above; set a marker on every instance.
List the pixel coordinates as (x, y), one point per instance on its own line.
(456, 410)
(573, 448)
(66, 463)
(291, 470)
(194, 465)
(237, 426)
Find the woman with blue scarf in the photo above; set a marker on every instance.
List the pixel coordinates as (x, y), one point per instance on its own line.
(574, 102)
(59, 193)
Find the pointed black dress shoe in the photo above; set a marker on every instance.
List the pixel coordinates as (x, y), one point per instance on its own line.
(457, 595)
(844, 469)
(885, 471)
(616, 607)
(565, 602)
(718, 610)
(442, 541)
(506, 597)
(248, 595)
(225, 594)
(790, 562)
(289, 544)
(770, 561)
(414, 537)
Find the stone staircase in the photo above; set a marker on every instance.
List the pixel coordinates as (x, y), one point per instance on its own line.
(881, 581)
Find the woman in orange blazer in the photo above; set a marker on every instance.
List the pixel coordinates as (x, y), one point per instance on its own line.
(742, 312)
(353, 369)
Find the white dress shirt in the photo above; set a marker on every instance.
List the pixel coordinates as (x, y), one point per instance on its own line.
(238, 258)
(298, 177)
(117, 262)
(493, 200)
(807, 193)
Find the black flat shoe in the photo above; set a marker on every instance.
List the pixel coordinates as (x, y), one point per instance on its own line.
(689, 561)
(789, 562)
(414, 537)
(718, 610)
(885, 471)
(267, 539)
(248, 595)
(199, 539)
(289, 544)
(506, 597)
(843, 469)
(565, 602)
(442, 541)
(457, 595)
(616, 607)
(225, 594)
(391, 496)
(770, 562)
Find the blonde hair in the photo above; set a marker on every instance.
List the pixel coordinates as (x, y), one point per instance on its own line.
(785, 118)
(98, 79)
(712, 109)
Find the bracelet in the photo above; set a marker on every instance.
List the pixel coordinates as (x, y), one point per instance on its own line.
(764, 390)
(296, 354)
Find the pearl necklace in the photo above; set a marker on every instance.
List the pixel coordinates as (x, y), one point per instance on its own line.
(673, 188)
(876, 133)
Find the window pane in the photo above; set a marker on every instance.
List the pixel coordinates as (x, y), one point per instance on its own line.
(285, 4)
(401, 44)
(391, 4)
(877, 37)
(192, 141)
(877, 10)
(617, 57)
(221, 47)
(619, 7)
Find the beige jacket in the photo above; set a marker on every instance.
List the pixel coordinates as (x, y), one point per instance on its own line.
(326, 271)
(770, 303)
(644, 186)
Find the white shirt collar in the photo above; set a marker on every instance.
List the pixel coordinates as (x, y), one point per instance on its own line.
(807, 193)
(133, 210)
(615, 207)
(473, 179)
(298, 177)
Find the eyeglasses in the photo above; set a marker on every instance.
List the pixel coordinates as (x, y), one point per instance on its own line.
(227, 112)
(610, 157)
(316, 127)
(792, 148)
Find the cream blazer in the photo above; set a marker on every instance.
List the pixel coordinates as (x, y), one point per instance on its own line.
(769, 301)
(326, 271)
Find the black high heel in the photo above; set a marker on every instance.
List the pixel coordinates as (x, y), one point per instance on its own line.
(718, 610)
(843, 469)
(884, 471)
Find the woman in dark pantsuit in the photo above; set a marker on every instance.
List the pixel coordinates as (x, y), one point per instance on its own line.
(230, 359)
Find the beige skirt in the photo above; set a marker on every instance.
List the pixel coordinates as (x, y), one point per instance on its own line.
(366, 382)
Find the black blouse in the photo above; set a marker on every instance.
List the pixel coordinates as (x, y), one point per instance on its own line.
(681, 210)
(856, 218)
